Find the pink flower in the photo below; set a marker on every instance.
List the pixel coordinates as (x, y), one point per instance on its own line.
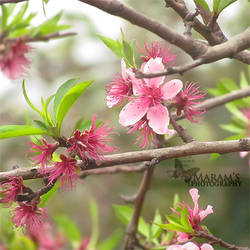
(157, 50)
(44, 151)
(243, 154)
(191, 246)
(84, 244)
(92, 144)
(246, 113)
(119, 89)
(29, 214)
(149, 96)
(45, 239)
(13, 62)
(65, 170)
(146, 133)
(186, 101)
(195, 216)
(11, 189)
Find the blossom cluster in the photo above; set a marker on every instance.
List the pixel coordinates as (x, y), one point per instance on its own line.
(148, 99)
(89, 144)
(195, 216)
(13, 59)
(246, 113)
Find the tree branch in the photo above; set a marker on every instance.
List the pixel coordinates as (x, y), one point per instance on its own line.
(192, 47)
(225, 50)
(11, 1)
(216, 36)
(130, 239)
(216, 240)
(220, 100)
(193, 148)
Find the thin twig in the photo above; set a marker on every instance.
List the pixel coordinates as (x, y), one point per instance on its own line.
(130, 240)
(180, 130)
(216, 240)
(220, 100)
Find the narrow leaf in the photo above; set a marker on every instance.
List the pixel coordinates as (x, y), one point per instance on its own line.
(114, 46)
(68, 100)
(203, 3)
(9, 131)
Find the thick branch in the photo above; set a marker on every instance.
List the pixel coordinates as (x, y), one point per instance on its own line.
(225, 50)
(216, 36)
(192, 47)
(193, 148)
(11, 1)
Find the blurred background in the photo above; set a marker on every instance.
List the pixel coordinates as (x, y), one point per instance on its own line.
(86, 57)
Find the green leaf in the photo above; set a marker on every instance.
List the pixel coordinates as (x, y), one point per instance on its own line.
(48, 195)
(185, 221)
(233, 128)
(174, 227)
(28, 100)
(111, 242)
(176, 201)
(95, 226)
(9, 131)
(129, 56)
(143, 227)
(41, 125)
(229, 84)
(49, 26)
(214, 156)
(213, 91)
(68, 228)
(203, 3)
(115, 46)
(243, 81)
(220, 5)
(19, 16)
(124, 213)
(61, 92)
(237, 113)
(68, 100)
(156, 230)
(82, 125)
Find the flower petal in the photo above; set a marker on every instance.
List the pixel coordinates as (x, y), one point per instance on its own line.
(154, 66)
(195, 196)
(182, 237)
(206, 246)
(133, 111)
(171, 88)
(243, 154)
(123, 68)
(137, 84)
(190, 246)
(204, 213)
(158, 117)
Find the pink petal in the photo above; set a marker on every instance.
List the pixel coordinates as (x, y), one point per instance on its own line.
(158, 117)
(206, 247)
(123, 67)
(171, 88)
(110, 100)
(174, 247)
(182, 237)
(137, 84)
(243, 154)
(154, 66)
(195, 196)
(204, 213)
(133, 111)
(190, 246)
